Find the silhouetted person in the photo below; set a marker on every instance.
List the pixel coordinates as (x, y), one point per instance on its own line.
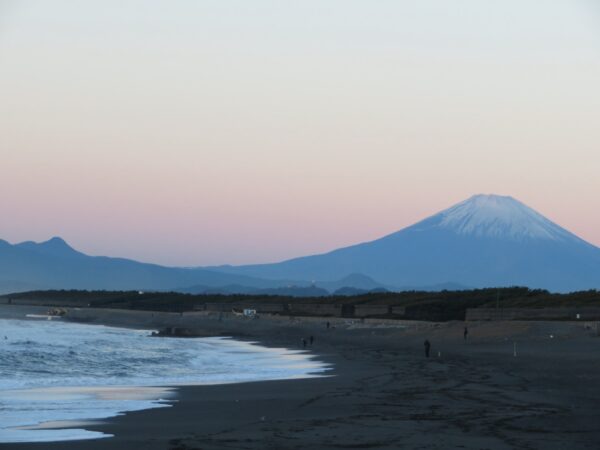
(303, 343)
(328, 324)
(427, 347)
(311, 339)
(466, 332)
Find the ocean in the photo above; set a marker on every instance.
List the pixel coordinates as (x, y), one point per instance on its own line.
(56, 374)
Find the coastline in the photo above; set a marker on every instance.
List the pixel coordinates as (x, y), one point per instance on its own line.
(385, 393)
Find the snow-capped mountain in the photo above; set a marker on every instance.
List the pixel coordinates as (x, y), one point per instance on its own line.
(501, 217)
(486, 240)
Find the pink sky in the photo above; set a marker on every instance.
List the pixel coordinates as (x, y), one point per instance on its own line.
(218, 132)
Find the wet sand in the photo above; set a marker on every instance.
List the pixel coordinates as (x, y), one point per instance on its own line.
(386, 394)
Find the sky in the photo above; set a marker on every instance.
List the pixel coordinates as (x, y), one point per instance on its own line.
(209, 132)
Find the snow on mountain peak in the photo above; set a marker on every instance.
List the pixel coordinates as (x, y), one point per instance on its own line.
(500, 217)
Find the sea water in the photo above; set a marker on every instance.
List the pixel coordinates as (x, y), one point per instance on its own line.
(56, 377)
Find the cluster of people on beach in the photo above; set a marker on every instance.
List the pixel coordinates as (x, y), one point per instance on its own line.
(310, 341)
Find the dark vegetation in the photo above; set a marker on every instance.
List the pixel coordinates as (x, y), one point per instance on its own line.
(444, 305)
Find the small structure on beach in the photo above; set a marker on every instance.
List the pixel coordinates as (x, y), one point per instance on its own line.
(249, 312)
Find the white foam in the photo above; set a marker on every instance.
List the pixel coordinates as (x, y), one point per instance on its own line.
(58, 414)
(56, 377)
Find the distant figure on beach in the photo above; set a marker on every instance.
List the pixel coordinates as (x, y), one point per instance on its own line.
(303, 343)
(466, 332)
(328, 324)
(427, 347)
(311, 339)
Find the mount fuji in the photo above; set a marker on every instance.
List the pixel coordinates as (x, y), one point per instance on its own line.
(484, 241)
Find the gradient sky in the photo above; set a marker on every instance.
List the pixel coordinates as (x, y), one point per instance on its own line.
(207, 132)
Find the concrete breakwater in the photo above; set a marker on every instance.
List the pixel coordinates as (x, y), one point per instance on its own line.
(315, 309)
(324, 309)
(209, 323)
(574, 313)
(318, 311)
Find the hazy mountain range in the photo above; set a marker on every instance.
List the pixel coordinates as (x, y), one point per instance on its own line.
(484, 241)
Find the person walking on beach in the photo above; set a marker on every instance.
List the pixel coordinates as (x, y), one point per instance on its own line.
(427, 348)
(466, 332)
(328, 324)
(303, 343)
(311, 339)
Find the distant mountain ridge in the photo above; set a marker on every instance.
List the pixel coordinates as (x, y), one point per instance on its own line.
(53, 264)
(55, 246)
(484, 241)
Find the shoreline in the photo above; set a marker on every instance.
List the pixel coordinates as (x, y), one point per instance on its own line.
(385, 393)
(169, 391)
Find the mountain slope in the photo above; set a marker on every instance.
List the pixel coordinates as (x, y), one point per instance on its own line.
(487, 240)
(55, 265)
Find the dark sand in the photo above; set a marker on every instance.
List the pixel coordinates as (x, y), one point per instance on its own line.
(386, 394)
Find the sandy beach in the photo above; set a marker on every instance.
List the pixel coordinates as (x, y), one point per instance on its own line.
(383, 392)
